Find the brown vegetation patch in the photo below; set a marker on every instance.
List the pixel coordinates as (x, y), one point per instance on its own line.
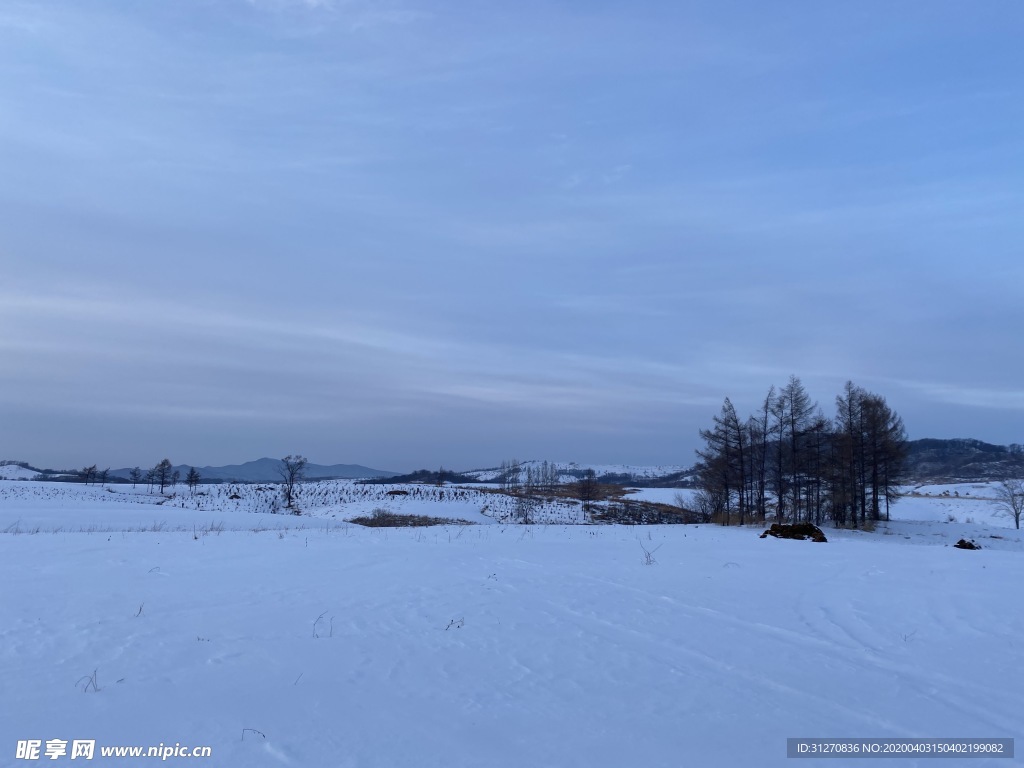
(381, 518)
(631, 512)
(965, 544)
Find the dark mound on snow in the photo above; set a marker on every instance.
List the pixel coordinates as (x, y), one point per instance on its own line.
(799, 531)
(965, 544)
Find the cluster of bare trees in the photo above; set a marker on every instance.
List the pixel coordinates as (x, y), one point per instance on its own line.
(588, 490)
(162, 475)
(91, 475)
(513, 479)
(531, 482)
(527, 483)
(793, 462)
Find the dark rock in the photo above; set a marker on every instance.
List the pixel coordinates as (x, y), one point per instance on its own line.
(965, 544)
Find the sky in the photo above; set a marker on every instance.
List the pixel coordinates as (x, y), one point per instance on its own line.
(406, 234)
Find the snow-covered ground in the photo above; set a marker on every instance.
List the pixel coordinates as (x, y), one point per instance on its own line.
(662, 495)
(31, 506)
(961, 502)
(307, 641)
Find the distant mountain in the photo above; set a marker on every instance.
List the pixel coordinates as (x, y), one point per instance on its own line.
(962, 459)
(266, 471)
(928, 460)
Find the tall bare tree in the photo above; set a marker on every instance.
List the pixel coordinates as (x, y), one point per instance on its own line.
(587, 490)
(796, 412)
(192, 478)
(163, 473)
(885, 441)
(850, 453)
(292, 470)
(723, 466)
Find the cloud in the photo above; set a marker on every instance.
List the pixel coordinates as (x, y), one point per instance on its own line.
(496, 215)
(970, 396)
(355, 14)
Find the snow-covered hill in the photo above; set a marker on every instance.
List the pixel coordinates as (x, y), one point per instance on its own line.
(17, 472)
(568, 472)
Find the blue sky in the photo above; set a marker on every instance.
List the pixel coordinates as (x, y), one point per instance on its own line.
(408, 233)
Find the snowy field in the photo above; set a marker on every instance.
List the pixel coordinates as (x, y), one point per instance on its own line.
(309, 641)
(46, 507)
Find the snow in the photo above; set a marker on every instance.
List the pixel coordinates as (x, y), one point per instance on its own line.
(14, 472)
(77, 507)
(960, 502)
(661, 495)
(493, 644)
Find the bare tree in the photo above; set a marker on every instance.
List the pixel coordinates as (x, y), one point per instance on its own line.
(760, 438)
(103, 476)
(135, 475)
(525, 509)
(886, 441)
(1010, 497)
(510, 479)
(192, 478)
(292, 470)
(797, 413)
(549, 475)
(722, 469)
(88, 474)
(587, 490)
(702, 506)
(162, 474)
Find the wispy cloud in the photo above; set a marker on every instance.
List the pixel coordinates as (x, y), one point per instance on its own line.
(493, 223)
(354, 14)
(970, 396)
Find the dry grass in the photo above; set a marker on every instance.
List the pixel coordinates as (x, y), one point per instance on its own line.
(381, 518)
